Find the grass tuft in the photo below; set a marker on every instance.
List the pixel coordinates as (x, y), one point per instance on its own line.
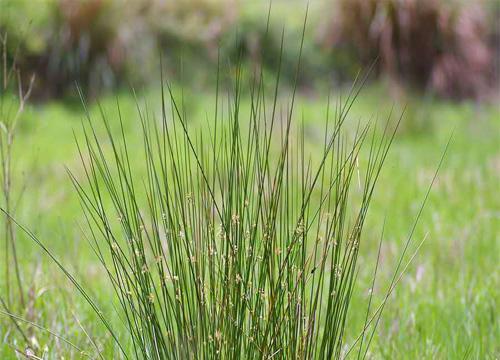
(235, 242)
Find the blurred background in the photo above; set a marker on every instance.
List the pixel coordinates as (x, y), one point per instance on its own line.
(437, 59)
(445, 48)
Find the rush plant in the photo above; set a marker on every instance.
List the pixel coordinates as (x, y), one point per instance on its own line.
(233, 241)
(236, 242)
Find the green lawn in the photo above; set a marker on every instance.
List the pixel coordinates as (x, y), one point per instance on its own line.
(446, 303)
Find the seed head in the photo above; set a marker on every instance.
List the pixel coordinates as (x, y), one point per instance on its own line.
(218, 335)
(171, 278)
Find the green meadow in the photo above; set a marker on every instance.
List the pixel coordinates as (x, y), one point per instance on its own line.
(445, 304)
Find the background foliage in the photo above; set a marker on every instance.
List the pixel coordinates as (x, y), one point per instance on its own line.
(448, 47)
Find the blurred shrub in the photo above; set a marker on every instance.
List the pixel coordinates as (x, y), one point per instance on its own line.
(191, 21)
(256, 37)
(188, 32)
(64, 42)
(103, 43)
(441, 45)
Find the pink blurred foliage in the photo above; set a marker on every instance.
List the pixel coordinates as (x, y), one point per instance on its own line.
(444, 46)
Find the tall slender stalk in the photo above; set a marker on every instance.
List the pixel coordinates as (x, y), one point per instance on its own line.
(8, 124)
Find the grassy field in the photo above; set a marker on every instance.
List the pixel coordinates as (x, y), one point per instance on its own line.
(446, 303)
